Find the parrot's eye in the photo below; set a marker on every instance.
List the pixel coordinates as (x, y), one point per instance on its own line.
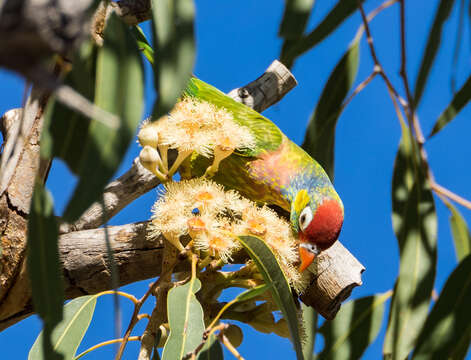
(305, 218)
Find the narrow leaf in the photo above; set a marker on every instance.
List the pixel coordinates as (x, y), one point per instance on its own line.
(354, 328)
(341, 11)
(69, 333)
(460, 232)
(143, 43)
(320, 134)
(415, 225)
(449, 323)
(212, 350)
(458, 102)
(294, 21)
(310, 321)
(174, 44)
(43, 265)
(185, 317)
(118, 89)
(251, 293)
(433, 43)
(268, 266)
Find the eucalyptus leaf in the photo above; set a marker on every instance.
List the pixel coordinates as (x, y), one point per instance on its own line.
(143, 43)
(175, 45)
(69, 333)
(448, 327)
(459, 101)
(460, 232)
(44, 267)
(212, 350)
(339, 13)
(113, 77)
(355, 327)
(270, 269)
(294, 21)
(185, 317)
(320, 134)
(251, 293)
(431, 49)
(415, 225)
(310, 317)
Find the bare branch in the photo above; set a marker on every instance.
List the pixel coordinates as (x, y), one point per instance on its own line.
(83, 255)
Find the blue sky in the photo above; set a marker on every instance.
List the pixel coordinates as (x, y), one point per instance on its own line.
(236, 41)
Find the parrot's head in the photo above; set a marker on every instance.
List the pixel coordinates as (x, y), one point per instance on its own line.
(317, 218)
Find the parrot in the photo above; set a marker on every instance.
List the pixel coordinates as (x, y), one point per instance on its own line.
(275, 172)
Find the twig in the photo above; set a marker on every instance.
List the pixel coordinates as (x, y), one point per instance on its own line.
(380, 69)
(408, 105)
(450, 195)
(137, 307)
(359, 88)
(229, 346)
(159, 313)
(104, 343)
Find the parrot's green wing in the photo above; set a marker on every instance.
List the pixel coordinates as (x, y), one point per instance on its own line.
(267, 135)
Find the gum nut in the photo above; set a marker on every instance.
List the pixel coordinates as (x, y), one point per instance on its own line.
(148, 136)
(234, 334)
(149, 155)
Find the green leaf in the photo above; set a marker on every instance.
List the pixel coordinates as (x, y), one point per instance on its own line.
(185, 317)
(310, 321)
(294, 21)
(460, 232)
(143, 44)
(43, 265)
(354, 328)
(119, 89)
(175, 45)
(212, 350)
(458, 102)
(433, 43)
(69, 333)
(448, 327)
(251, 293)
(341, 11)
(268, 266)
(320, 134)
(415, 225)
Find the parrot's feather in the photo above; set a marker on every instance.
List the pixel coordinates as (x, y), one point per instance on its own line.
(267, 135)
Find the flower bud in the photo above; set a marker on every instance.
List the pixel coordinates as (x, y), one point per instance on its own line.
(148, 135)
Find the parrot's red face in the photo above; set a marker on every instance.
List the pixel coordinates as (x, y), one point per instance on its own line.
(318, 231)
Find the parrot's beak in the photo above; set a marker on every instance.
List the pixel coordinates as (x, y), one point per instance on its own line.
(307, 253)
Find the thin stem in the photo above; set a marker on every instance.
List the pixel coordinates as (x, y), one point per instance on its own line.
(121, 293)
(380, 69)
(229, 346)
(450, 195)
(108, 342)
(359, 88)
(216, 319)
(138, 305)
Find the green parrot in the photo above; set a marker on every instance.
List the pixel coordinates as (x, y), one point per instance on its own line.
(277, 172)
